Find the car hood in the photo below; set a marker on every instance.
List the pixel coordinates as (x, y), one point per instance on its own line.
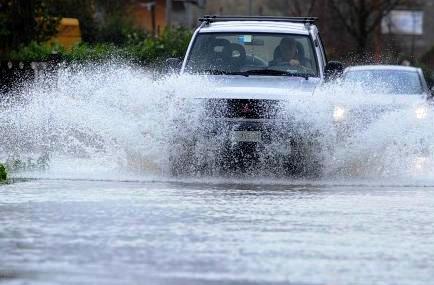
(256, 87)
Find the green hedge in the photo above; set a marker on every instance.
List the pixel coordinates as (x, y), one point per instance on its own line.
(171, 43)
(3, 173)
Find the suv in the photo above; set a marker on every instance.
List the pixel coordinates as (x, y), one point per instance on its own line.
(257, 64)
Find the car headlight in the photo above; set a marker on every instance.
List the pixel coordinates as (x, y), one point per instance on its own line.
(339, 113)
(421, 112)
(421, 163)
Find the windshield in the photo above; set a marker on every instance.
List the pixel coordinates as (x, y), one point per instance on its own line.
(252, 54)
(385, 81)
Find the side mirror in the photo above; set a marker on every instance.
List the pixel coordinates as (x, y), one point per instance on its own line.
(173, 65)
(333, 70)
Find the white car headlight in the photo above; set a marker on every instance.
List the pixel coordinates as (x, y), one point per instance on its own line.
(339, 113)
(421, 112)
(421, 163)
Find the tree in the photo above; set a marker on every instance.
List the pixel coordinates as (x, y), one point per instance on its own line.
(301, 7)
(362, 18)
(115, 25)
(294, 7)
(23, 21)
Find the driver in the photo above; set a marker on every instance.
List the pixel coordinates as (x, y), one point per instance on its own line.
(286, 53)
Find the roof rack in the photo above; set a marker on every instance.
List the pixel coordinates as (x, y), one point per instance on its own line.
(304, 20)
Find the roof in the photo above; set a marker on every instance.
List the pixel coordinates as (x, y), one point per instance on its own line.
(382, 67)
(256, 26)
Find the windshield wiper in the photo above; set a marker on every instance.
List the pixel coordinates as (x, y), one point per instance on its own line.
(222, 72)
(271, 72)
(274, 72)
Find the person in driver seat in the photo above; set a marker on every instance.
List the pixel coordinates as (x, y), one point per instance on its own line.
(286, 54)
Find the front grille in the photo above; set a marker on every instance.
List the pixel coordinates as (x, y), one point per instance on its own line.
(242, 108)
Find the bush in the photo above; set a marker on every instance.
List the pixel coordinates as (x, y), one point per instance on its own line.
(171, 43)
(119, 31)
(3, 173)
(85, 52)
(35, 52)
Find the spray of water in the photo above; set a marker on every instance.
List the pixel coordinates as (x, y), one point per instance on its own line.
(91, 119)
(115, 120)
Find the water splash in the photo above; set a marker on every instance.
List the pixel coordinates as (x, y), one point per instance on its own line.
(116, 120)
(92, 115)
(386, 136)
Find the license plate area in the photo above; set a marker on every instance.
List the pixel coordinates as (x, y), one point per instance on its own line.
(247, 136)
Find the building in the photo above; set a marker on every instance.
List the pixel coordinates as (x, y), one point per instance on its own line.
(410, 28)
(155, 15)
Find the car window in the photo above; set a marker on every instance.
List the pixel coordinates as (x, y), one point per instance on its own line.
(385, 81)
(241, 52)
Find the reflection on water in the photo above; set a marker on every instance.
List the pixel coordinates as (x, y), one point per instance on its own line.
(231, 232)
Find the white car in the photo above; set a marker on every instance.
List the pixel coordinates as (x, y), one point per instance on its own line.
(257, 63)
(386, 89)
(388, 79)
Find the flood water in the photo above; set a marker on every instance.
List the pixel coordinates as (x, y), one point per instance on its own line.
(233, 232)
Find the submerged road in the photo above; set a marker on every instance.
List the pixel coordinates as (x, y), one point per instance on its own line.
(84, 232)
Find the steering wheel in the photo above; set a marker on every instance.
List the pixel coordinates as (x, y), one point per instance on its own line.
(287, 67)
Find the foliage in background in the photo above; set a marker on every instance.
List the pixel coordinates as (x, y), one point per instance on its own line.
(3, 173)
(114, 25)
(23, 21)
(171, 43)
(101, 21)
(34, 52)
(118, 30)
(361, 19)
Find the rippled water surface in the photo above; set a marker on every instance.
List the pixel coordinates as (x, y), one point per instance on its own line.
(102, 232)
